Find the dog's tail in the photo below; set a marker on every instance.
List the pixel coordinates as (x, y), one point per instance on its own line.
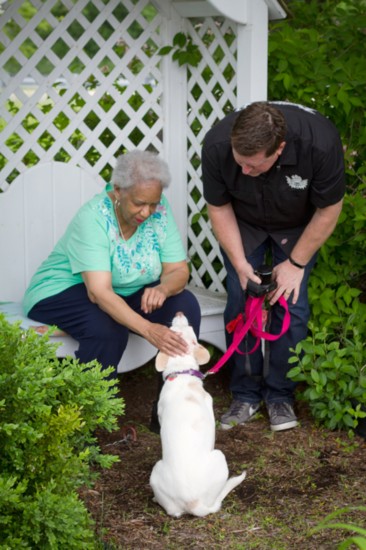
(200, 509)
(231, 483)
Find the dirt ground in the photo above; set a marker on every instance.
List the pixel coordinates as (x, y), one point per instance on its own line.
(294, 479)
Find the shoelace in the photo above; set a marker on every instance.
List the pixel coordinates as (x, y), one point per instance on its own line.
(280, 409)
(237, 407)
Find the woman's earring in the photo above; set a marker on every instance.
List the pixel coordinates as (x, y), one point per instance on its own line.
(117, 202)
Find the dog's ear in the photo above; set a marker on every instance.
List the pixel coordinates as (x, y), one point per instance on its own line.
(161, 361)
(201, 354)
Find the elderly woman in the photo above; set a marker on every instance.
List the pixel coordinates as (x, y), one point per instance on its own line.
(119, 267)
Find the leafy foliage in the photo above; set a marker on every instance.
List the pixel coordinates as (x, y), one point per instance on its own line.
(49, 410)
(332, 359)
(317, 58)
(358, 537)
(340, 272)
(183, 50)
(333, 368)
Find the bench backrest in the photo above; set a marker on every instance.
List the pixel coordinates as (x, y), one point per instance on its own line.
(34, 213)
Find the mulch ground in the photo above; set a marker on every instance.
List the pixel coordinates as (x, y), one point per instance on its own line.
(294, 478)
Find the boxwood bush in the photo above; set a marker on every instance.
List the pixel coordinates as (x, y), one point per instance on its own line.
(49, 411)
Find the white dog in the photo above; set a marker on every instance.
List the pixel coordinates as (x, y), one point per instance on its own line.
(192, 477)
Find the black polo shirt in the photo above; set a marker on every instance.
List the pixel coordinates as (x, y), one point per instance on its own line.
(279, 203)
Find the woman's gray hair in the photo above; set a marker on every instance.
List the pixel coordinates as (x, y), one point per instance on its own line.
(140, 166)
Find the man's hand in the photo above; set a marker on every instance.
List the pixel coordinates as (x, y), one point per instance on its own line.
(246, 274)
(288, 279)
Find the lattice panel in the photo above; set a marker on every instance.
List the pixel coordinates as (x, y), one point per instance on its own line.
(80, 81)
(211, 95)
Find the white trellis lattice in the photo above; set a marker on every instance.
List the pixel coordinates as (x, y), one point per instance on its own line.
(77, 89)
(211, 93)
(82, 82)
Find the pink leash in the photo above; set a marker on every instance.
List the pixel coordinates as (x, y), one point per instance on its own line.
(254, 324)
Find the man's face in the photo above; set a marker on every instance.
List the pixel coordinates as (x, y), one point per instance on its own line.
(257, 164)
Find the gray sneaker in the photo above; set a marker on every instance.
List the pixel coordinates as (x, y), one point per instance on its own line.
(239, 413)
(281, 416)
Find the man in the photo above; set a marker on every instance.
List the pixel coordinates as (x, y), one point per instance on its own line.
(273, 178)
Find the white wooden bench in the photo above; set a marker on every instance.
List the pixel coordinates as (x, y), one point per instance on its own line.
(34, 213)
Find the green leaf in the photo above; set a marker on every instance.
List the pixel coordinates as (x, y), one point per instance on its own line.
(180, 40)
(314, 375)
(295, 371)
(165, 50)
(360, 542)
(314, 394)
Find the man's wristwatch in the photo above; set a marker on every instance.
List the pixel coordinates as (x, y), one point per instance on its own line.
(295, 263)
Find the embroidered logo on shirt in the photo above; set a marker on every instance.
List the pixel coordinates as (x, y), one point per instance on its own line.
(296, 182)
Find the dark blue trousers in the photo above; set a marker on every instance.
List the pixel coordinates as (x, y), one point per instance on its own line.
(99, 336)
(253, 377)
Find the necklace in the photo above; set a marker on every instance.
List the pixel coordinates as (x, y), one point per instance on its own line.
(115, 204)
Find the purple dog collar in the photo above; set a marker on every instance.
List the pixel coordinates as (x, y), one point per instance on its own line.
(193, 372)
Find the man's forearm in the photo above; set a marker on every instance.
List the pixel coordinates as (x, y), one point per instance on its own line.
(226, 230)
(318, 230)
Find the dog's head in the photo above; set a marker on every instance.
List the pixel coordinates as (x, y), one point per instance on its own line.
(196, 355)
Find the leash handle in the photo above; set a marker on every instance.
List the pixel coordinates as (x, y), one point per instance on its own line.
(241, 330)
(253, 312)
(256, 331)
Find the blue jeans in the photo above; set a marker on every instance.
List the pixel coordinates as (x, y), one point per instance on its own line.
(255, 377)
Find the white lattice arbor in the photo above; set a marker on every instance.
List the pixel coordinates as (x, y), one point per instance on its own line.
(82, 81)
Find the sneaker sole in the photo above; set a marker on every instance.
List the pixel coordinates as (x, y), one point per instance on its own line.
(284, 426)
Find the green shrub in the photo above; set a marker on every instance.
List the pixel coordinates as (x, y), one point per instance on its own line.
(332, 360)
(333, 367)
(358, 536)
(340, 273)
(49, 410)
(317, 57)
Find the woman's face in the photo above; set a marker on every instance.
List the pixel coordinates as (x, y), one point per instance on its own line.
(138, 202)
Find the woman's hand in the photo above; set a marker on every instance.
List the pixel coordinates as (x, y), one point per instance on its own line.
(100, 292)
(166, 340)
(173, 279)
(153, 298)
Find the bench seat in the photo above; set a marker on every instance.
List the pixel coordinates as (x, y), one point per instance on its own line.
(138, 351)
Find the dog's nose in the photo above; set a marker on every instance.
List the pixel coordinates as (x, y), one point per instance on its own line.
(179, 320)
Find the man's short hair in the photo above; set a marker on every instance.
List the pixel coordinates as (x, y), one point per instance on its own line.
(258, 127)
